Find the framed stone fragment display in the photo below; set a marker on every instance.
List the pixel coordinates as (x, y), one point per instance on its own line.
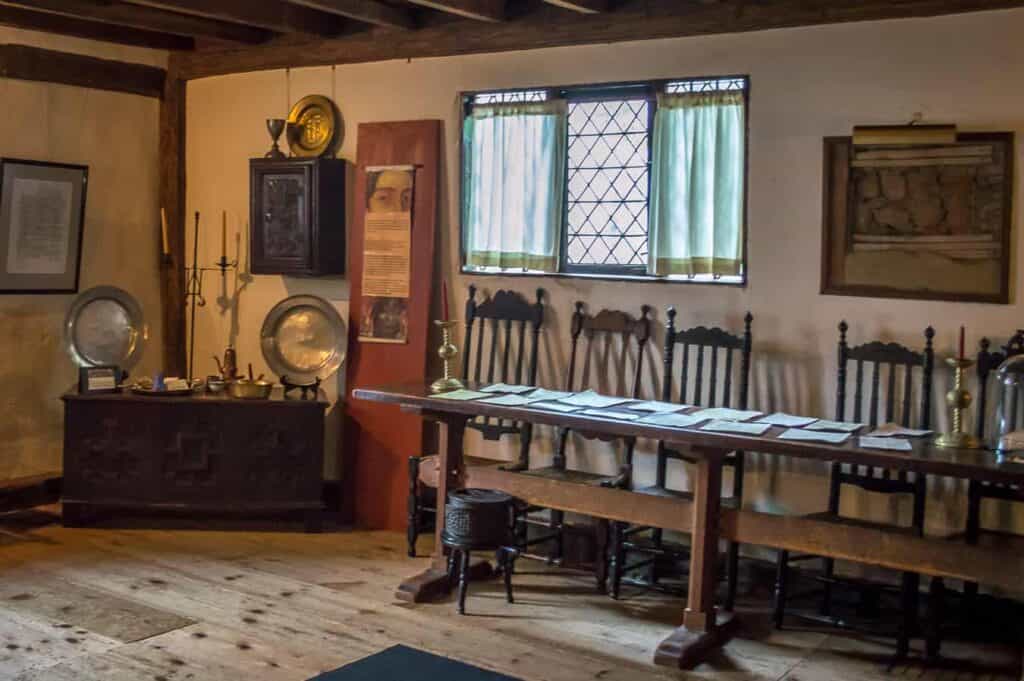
(927, 221)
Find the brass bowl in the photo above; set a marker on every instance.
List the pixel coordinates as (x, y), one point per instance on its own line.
(245, 389)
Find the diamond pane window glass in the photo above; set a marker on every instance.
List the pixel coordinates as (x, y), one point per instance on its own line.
(609, 167)
(511, 97)
(706, 85)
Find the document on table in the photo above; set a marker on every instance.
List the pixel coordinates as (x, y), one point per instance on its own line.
(841, 426)
(896, 430)
(611, 414)
(736, 427)
(726, 414)
(815, 436)
(506, 388)
(589, 398)
(507, 400)
(787, 420)
(674, 420)
(893, 443)
(656, 406)
(461, 395)
(545, 394)
(553, 406)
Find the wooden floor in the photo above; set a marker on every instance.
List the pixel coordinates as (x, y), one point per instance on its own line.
(177, 604)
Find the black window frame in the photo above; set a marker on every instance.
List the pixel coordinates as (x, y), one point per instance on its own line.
(592, 92)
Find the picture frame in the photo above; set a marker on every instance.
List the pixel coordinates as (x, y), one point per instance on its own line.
(42, 222)
(924, 222)
(104, 378)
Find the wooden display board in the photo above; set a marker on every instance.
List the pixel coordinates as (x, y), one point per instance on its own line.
(377, 441)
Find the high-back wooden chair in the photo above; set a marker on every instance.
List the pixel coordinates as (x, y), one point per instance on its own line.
(891, 402)
(502, 339)
(977, 492)
(704, 367)
(610, 342)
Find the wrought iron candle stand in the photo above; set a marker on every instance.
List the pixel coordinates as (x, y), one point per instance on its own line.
(447, 352)
(958, 399)
(194, 289)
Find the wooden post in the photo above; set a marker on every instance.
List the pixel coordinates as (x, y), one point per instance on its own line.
(172, 200)
(703, 630)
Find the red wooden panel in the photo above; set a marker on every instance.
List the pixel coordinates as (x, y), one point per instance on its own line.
(377, 440)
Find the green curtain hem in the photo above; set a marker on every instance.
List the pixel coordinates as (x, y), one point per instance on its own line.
(690, 266)
(519, 261)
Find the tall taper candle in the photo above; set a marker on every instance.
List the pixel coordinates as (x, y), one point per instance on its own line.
(224, 236)
(444, 300)
(163, 232)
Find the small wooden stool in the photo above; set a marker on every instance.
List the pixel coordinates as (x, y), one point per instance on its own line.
(479, 520)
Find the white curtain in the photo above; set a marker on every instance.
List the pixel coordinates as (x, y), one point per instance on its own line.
(697, 184)
(514, 185)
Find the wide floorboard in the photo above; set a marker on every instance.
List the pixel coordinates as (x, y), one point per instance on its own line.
(198, 604)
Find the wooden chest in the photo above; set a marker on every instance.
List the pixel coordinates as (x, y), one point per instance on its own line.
(199, 454)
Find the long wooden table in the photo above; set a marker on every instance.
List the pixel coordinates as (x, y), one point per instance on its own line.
(703, 628)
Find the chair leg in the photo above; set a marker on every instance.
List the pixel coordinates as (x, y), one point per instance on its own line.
(618, 561)
(658, 542)
(557, 549)
(732, 567)
(911, 583)
(826, 592)
(601, 530)
(453, 569)
(412, 530)
(463, 581)
(781, 587)
(510, 556)
(973, 532)
(936, 615)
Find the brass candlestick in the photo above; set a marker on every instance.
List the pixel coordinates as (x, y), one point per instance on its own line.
(447, 352)
(958, 399)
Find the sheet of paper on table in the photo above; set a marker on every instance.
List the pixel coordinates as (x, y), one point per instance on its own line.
(589, 398)
(787, 420)
(896, 430)
(508, 400)
(894, 443)
(553, 406)
(736, 427)
(611, 414)
(815, 436)
(545, 394)
(726, 414)
(841, 426)
(656, 406)
(506, 388)
(674, 420)
(461, 395)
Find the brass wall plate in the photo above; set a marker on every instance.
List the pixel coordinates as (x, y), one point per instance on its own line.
(315, 127)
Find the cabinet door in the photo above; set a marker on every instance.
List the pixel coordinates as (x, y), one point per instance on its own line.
(282, 218)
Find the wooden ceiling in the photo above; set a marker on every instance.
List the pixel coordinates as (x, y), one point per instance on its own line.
(210, 37)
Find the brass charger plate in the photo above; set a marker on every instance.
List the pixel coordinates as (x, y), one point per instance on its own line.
(315, 127)
(105, 326)
(303, 338)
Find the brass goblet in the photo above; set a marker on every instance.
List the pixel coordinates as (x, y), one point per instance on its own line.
(275, 126)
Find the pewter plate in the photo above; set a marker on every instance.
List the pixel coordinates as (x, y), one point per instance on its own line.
(303, 338)
(105, 326)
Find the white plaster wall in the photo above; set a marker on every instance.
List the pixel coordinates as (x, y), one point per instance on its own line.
(806, 83)
(116, 136)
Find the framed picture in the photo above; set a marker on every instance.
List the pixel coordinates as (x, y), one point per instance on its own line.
(928, 221)
(42, 215)
(99, 379)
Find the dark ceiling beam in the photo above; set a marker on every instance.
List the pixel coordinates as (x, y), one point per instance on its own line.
(22, 62)
(585, 6)
(480, 10)
(146, 18)
(369, 11)
(275, 15)
(15, 17)
(552, 27)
